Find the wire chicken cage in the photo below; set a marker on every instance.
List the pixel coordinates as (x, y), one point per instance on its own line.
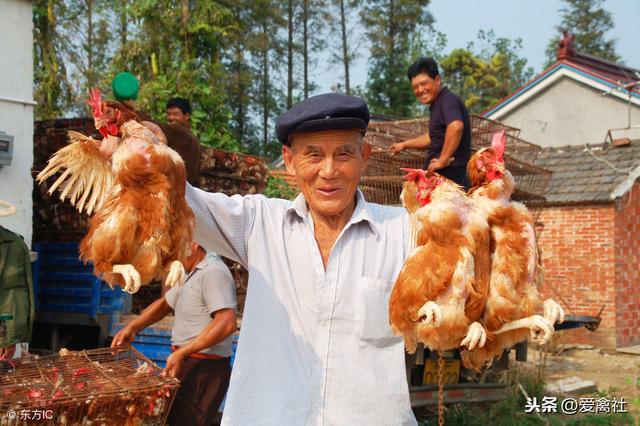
(382, 180)
(109, 386)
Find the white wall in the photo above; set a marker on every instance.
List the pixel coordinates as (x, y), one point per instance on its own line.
(570, 113)
(16, 111)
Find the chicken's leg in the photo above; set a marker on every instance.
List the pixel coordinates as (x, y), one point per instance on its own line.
(540, 328)
(476, 336)
(130, 275)
(176, 274)
(432, 314)
(553, 312)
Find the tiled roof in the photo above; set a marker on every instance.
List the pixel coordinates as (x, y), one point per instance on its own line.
(617, 77)
(612, 71)
(589, 173)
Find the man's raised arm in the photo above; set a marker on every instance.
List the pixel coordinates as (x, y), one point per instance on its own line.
(223, 223)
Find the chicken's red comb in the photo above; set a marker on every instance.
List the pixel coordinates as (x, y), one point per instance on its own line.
(499, 144)
(95, 102)
(412, 174)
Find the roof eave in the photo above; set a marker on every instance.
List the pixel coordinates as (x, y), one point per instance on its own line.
(551, 75)
(626, 185)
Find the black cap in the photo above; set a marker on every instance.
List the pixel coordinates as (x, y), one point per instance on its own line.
(323, 112)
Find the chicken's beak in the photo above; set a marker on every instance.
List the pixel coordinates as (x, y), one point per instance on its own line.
(500, 167)
(99, 122)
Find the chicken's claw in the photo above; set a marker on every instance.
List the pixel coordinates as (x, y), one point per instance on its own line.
(432, 314)
(476, 336)
(176, 274)
(541, 329)
(131, 277)
(553, 312)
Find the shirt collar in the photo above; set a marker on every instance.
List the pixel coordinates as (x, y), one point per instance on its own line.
(203, 263)
(361, 213)
(442, 91)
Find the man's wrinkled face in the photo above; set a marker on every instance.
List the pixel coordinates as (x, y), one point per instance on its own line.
(425, 88)
(176, 116)
(327, 166)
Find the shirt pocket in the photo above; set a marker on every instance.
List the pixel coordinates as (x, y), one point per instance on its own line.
(372, 312)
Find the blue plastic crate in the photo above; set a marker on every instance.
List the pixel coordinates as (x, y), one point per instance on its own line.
(64, 284)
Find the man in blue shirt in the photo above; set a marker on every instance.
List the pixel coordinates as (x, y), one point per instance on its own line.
(448, 143)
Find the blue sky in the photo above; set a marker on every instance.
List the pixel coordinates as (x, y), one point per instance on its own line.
(532, 20)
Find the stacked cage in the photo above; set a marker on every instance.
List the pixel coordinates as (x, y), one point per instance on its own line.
(112, 386)
(382, 179)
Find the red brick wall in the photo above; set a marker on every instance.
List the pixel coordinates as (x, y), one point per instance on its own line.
(627, 267)
(578, 253)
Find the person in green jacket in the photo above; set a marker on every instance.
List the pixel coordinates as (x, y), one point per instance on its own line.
(17, 308)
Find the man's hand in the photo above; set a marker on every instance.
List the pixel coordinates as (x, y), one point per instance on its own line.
(124, 337)
(174, 364)
(396, 147)
(437, 164)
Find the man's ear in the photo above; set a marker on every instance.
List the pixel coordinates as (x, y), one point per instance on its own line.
(366, 152)
(287, 156)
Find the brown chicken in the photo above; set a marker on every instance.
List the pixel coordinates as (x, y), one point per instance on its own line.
(436, 299)
(142, 225)
(513, 299)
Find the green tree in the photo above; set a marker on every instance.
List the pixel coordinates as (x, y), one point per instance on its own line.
(345, 50)
(589, 23)
(242, 76)
(268, 21)
(52, 90)
(393, 28)
(312, 21)
(482, 77)
(89, 52)
(177, 49)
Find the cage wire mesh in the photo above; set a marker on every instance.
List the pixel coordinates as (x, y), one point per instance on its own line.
(382, 179)
(107, 386)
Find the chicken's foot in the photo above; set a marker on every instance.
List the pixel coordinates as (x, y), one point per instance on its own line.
(430, 314)
(130, 275)
(553, 312)
(476, 336)
(540, 328)
(176, 274)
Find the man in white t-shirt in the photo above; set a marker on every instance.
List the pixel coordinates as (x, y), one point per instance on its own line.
(205, 319)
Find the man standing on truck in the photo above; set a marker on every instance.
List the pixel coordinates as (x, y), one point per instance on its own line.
(448, 142)
(204, 321)
(316, 345)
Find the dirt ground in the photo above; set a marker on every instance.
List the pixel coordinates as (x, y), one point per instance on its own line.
(612, 372)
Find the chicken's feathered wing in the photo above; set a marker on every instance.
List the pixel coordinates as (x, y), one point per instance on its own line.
(86, 178)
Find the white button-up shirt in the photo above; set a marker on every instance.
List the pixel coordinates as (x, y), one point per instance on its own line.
(315, 346)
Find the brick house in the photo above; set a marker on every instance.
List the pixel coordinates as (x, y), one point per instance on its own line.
(590, 242)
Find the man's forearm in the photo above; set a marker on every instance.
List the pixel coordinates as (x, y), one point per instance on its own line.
(152, 314)
(221, 326)
(452, 138)
(419, 142)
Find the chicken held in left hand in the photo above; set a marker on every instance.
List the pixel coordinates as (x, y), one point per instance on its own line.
(134, 185)
(436, 299)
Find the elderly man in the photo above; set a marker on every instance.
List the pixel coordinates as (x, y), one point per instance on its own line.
(448, 143)
(315, 345)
